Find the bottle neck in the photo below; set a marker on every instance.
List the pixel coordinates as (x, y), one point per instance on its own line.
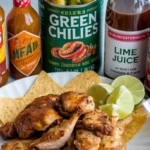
(21, 3)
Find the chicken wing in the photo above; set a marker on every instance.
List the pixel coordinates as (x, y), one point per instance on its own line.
(37, 116)
(87, 140)
(57, 136)
(98, 120)
(71, 101)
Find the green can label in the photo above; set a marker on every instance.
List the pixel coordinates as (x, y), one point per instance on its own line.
(70, 37)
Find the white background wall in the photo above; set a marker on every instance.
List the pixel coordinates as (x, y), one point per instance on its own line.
(7, 5)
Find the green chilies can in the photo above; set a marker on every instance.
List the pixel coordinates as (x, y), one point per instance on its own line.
(70, 36)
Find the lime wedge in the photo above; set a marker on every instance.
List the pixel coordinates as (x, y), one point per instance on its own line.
(123, 100)
(114, 110)
(134, 85)
(100, 92)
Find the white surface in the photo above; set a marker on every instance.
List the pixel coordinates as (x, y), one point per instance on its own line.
(8, 4)
(20, 87)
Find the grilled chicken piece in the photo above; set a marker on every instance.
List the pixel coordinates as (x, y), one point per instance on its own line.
(115, 141)
(70, 143)
(57, 136)
(71, 101)
(37, 116)
(17, 145)
(8, 131)
(87, 140)
(98, 120)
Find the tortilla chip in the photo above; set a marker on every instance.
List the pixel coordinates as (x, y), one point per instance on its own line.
(43, 86)
(82, 82)
(10, 108)
(139, 118)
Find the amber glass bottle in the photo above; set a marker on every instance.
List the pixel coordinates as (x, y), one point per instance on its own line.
(3, 66)
(127, 33)
(24, 43)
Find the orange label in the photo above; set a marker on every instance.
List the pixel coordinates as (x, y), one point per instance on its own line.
(25, 52)
(2, 50)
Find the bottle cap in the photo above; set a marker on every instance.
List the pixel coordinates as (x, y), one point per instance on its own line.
(21, 3)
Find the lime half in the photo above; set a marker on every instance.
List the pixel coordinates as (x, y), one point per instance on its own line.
(134, 85)
(100, 92)
(121, 101)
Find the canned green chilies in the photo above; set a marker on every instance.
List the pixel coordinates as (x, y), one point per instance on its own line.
(70, 36)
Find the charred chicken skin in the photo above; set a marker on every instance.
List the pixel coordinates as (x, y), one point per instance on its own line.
(98, 120)
(37, 116)
(8, 131)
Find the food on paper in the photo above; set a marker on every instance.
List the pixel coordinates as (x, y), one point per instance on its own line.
(82, 82)
(134, 85)
(66, 118)
(100, 92)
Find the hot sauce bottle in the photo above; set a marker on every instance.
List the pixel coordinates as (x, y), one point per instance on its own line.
(24, 43)
(127, 33)
(3, 66)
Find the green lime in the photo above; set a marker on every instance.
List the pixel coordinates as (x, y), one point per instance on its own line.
(134, 85)
(114, 110)
(123, 98)
(100, 92)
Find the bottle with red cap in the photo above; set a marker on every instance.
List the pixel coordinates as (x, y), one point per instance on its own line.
(3, 65)
(24, 43)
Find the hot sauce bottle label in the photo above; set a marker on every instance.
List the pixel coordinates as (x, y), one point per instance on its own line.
(3, 67)
(25, 52)
(125, 52)
(21, 3)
